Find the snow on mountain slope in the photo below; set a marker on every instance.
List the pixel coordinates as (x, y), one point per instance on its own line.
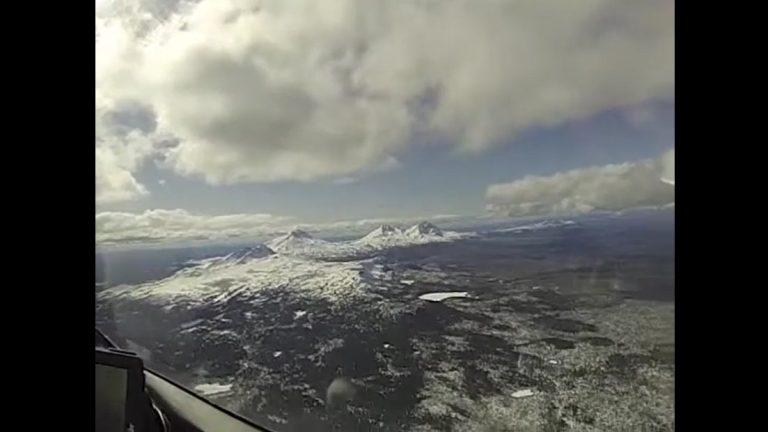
(207, 284)
(295, 262)
(295, 239)
(384, 231)
(424, 229)
(421, 233)
(246, 254)
(241, 256)
(299, 243)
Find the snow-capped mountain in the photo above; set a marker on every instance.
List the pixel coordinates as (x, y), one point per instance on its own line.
(421, 233)
(208, 284)
(424, 229)
(300, 243)
(294, 238)
(384, 231)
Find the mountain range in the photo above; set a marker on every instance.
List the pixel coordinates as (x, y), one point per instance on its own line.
(300, 243)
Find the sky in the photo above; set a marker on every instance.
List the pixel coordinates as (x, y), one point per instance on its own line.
(228, 117)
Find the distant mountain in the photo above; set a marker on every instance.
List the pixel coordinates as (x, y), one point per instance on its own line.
(293, 239)
(300, 243)
(387, 235)
(298, 234)
(384, 231)
(424, 229)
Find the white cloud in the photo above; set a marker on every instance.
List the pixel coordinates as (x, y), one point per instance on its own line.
(668, 166)
(259, 91)
(114, 183)
(609, 187)
(180, 225)
(121, 147)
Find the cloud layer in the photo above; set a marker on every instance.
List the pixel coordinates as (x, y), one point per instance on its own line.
(180, 225)
(166, 226)
(260, 91)
(609, 187)
(121, 146)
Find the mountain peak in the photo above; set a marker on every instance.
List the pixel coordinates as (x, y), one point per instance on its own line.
(385, 230)
(297, 233)
(425, 228)
(290, 239)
